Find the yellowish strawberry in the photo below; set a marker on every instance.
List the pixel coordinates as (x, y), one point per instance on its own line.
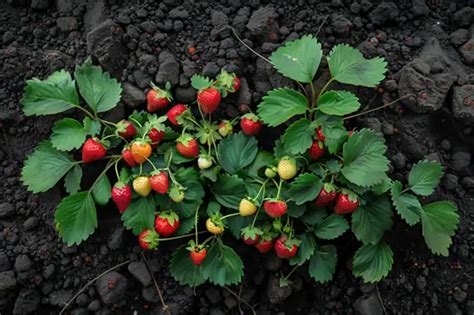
(213, 227)
(142, 185)
(287, 168)
(247, 207)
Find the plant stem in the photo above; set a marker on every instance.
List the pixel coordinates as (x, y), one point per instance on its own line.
(247, 46)
(230, 215)
(106, 122)
(178, 237)
(279, 189)
(196, 224)
(324, 89)
(260, 190)
(377, 108)
(109, 165)
(137, 122)
(116, 169)
(291, 272)
(85, 111)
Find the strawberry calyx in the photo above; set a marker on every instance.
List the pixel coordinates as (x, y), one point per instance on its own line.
(350, 194)
(162, 93)
(120, 184)
(251, 232)
(176, 194)
(251, 116)
(193, 247)
(184, 139)
(289, 242)
(328, 187)
(151, 238)
(170, 216)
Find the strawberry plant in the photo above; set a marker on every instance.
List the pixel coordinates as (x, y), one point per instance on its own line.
(180, 175)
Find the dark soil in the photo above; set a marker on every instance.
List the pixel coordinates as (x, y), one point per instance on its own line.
(430, 48)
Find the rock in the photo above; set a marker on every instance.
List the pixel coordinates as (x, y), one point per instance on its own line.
(30, 223)
(275, 293)
(22, 263)
(214, 295)
(372, 123)
(141, 78)
(340, 24)
(94, 306)
(185, 95)
(244, 95)
(399, 161)
(60, 297)
(168, 70)
(7, 280)
(219, 18)
(451, 181)
(464, 17)
(6, 210)
(468, 182)
(67, 24)
(262, 23)
(459, 295)
(4, 262)
(211, 69)
(132, 96)
(28, 302)
(104, 43)
(112, 287)
(149, 294)
(460, 161)
(384, 13)
(140, 272)
(368, 306)
(178, 13)
(463, 103)
(420, 8)
(49, 271)
(115, 240)
(459, 37)
(467, 52)
(39, 4)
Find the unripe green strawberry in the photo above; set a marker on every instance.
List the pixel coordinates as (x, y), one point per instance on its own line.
(271, 172)
(176, 194)
(287, 168)
(225, 128)
(204, 162)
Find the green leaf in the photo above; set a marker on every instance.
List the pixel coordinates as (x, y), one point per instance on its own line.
(140, 215)
(383, 187)
(72, 181)
(373, 262)
(45, 167)
(54, 95)
(76, 218)
(213, 207)
(348, 65)
(298, 136)
(237, 223)
(323, 263)
(407, 205)
(365, 163)
(237, 151)
(229, 190)
(314, 216)
(440, 221)
(262, 160)
(68, 134)
(99, 90)
(424, 177)
(305, 251)
(299, 59)
(333, 130)
(200, 82)
(91, 127)
(186, 226)
(102, 190)
(184, 271)
(294, 210)
(279, 105)
(331, 227)
(222, 265)
(305, 188)
(370, 221)
(338, 103)
(194, 193)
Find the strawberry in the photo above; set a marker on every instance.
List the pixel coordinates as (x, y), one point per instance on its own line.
(204, 162)
(251, 124)
(148, 239)
(167, 223)
(287, 168)
(187, 146)
(158, 98)
(346, 202)
(320, 134)
(159, 182)
(271, 172)
(155, 136)
(126, 129)
(175, 112)
(142, 186)
(247, 207)
(93, 150)
(208, 99)
(121, 195)
(286, 248)
(350, 133)
(316, 150)
(176, 194)
(225, 128)
(251, 235)
(127, 156)
(235, 85)
(214, 227)
(141, 151)
(275, 208)
(326, 195)
(198, 255)
(264, 245)
(228, 82)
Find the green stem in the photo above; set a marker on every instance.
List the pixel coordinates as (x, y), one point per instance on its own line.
(178, 237)
(291, 272)
(109, 165)
(230, 215)
(210, 238)
(136, 121)
(324, 89)
(85, 111)
(279, 189)
(116, 170)
(148, 160)
(313, 96)
(196, 224)
(260, 190)
(106, 122)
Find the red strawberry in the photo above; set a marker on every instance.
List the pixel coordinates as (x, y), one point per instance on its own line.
(159, 182)
(93, 150)
(148, 239)
(235, 85)
(249, 240)
(157, 99)
(350, 133)
(321, 135)
(126, 129)
(285, 248)
(187, 146)
(155, 136)
(251, 124)
(264, 245)
(208, 99)
(316, 150)
(251, 235)
(275, 208)
(197, 256)
(347, 202)
(167, 223)
(121, 195)
(175, 112)
(326, 195)
(128, 157)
